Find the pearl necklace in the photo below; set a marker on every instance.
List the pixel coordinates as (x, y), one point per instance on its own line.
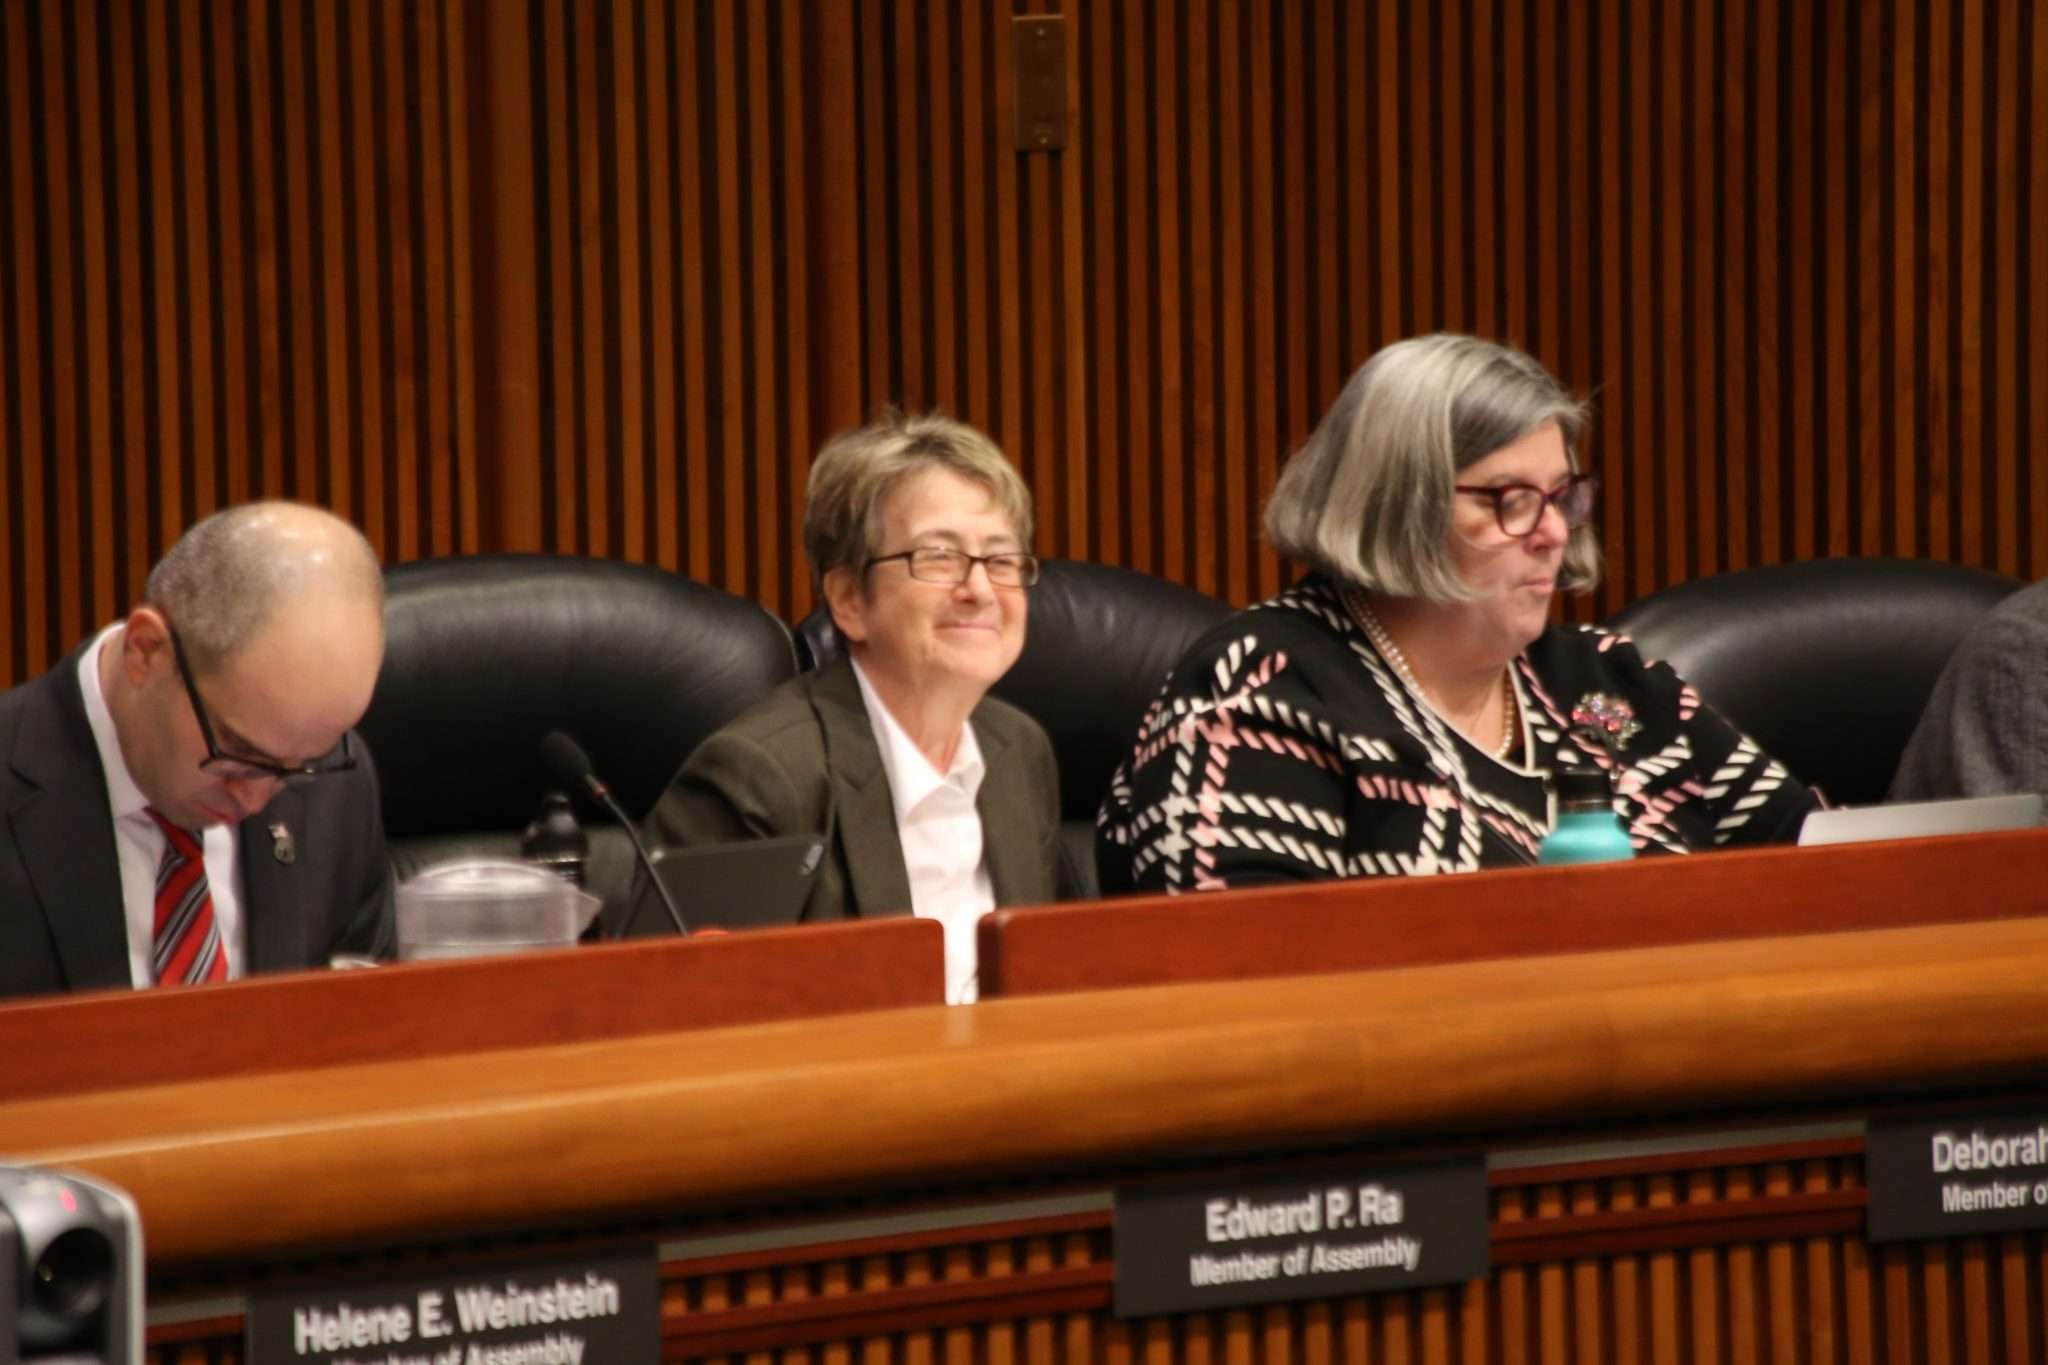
(1355, 603)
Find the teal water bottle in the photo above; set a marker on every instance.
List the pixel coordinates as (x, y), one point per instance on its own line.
(1588, 830)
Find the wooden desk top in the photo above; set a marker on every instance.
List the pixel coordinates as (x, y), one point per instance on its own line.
(1519, 912)
(297, 1021)
(387, 1151)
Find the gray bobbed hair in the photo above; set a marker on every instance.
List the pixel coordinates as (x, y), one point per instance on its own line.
(1367, 500)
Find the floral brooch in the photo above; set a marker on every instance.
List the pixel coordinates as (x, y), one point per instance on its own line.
(1611, 721)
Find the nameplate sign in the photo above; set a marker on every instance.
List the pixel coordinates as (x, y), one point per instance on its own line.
(1220, 1243)
(578, 1310)
(1959, 1177)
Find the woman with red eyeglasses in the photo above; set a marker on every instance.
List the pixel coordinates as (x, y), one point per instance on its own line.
(1402, 709)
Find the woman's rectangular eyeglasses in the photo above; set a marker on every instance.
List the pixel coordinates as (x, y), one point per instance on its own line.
(937, 564)
(1518, 507)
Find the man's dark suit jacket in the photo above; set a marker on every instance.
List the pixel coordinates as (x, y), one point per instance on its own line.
(805, 760)
(61, 922)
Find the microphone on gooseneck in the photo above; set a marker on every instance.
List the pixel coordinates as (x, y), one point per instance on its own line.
(569, 765)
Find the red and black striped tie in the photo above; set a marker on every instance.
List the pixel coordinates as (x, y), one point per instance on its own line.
(188, 947)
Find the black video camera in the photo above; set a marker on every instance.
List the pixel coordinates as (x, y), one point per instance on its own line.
(70, 1271)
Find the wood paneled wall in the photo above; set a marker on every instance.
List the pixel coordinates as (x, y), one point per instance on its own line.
(597, 275)
(233, 246)
(1712, 1261)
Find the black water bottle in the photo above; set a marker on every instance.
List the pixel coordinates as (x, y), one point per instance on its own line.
(555, 841)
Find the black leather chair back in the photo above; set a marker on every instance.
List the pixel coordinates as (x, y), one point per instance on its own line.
(1101, 641)
(486, 654)
(1827, 664)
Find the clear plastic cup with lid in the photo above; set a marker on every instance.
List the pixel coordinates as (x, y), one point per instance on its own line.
(475, 907)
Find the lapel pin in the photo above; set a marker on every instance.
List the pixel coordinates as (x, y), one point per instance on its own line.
(282, 846)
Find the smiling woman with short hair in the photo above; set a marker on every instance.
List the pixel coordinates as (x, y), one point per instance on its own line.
(933, 797)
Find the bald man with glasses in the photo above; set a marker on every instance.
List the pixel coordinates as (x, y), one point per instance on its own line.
(185, 802)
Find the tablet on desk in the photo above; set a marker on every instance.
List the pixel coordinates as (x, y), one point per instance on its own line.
(1920, 819)
(746, 885)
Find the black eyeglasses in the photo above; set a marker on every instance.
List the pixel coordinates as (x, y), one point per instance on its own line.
(239, 767)
(937, 564)
(1518, 507)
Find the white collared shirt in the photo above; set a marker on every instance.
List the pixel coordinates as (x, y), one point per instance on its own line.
(940, 830)
(140, 843)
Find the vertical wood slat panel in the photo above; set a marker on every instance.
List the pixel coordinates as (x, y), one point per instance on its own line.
(793, 255)
(1262, 386)
(332, 285)
(1944, 264)
(14, 137)
(1614, 290)
(28, 639)
(61, 313)
(593, 251)
(660, 91)
(369, 251)
(2002, 455)
(98, 471)
(1077, 474)
(1140, 202)
(1233, 411)
(1704, 273)
(627, 101)
(683, 210)
(231, 175)
(400, 356)
(909, 100)
(264, 318)
(980, 139)
(832, 244)
(1197, 495)
(559, 347)
(1810, 1298)
(692, 298)
(1006, 420)
(1092, 256)
(879, 358)
(1164, 251)
(1046, 357)
(215, 223)
(302, 358)
(1835, 471)
(454, 492)
(768, 556)
(1794, 252)
(1736, 240)
(736, 458)
(1873, 302)
(1638, 374)
(2034, 351)
(112, 569)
